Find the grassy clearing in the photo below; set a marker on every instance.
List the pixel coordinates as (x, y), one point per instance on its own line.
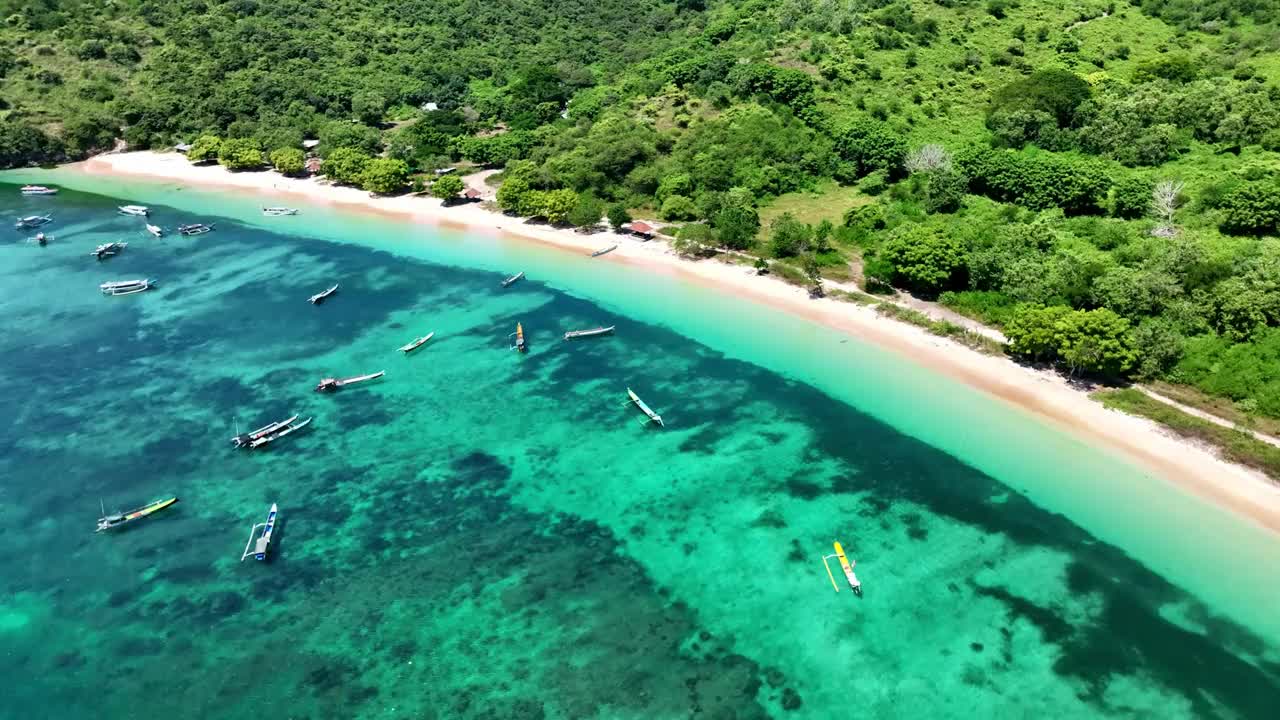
(1220, 406)
(828, 201)
(1236, 446)
(942, 328)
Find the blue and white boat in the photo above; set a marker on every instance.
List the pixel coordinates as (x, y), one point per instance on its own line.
(259, 550)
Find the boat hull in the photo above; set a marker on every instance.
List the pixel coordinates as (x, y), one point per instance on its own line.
(134, 515)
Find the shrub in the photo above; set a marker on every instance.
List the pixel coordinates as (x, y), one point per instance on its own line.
(1131, 197)
(344, 165)
(384, 176)
(923, 259)
(288, 161)
(240, 154)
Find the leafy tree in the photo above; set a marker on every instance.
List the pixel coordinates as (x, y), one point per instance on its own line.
(1032, 330)
(368, 107)
(924, 259)
(813, 271)
(337, 134)
(1096, 341)
(447, 187)
(1131, 197)
(555, 205)
(345, 165)
(512, 192)
(22, 144)
(288, 161)
(945, 189)
(88, 133)
(788, 237)
(618, 215)
(384, 176)
(205, 149)
(1159, 346)
(822, 236)
(872, 146)
(1252, 209)
(1039, 181)
(240, 154)
(678, 207)
(1020, 111)
(694, 240)
(736, 226)
(587, 213)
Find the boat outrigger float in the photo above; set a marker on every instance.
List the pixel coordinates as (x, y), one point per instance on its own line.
(653, 416)
(259, 550)
(268, 434)
(331, 384)
(845, 565)
(111, 522)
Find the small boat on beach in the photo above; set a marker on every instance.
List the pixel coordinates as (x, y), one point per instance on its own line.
(33, 221)
(511, 280)
(155, 230)
(111, 522)
(653, 416)
(139, 210)
(331, 384)
(519, 333)
(417, 342)
(259, 550)
(126, 287)
(268, 434)
(38, 190)
(602, 251)
(322, 296)
(593, 332)
(106, 250)
(278, 211)
(194, 229)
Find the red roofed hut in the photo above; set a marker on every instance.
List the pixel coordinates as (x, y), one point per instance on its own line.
(471, 194)
(312, 165)
(642, 229)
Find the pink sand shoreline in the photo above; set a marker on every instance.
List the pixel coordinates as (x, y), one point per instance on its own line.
(1190, 467)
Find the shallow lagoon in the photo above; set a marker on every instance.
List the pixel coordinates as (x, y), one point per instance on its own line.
(483, 534)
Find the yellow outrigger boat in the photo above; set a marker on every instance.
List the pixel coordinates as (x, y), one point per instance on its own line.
(845, 565)
(110, 522)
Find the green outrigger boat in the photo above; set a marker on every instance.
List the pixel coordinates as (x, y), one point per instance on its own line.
(111, 522)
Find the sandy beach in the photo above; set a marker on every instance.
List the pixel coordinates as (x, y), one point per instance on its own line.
(1196, 469)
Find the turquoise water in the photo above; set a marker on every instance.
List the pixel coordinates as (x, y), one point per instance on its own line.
(483, 534)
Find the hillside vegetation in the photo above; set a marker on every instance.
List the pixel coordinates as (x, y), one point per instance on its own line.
(1098, 178)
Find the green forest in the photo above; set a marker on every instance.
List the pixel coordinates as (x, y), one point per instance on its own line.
(1101, 180)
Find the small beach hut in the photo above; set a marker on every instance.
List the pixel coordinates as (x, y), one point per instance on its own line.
(471, 194)
(641, 229)
(182, 147)
(310, 145)
(312, 165)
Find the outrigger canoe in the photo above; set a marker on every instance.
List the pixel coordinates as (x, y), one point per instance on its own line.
(417, 343)
(593, 332)
(259, 551)
(653, 416)
(111, 522)
(520, 346)
(605, 250)
(847, 566)
(322, 296)
(331, 384)
(509, 281)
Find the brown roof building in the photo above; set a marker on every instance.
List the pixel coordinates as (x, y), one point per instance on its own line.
(641, 228)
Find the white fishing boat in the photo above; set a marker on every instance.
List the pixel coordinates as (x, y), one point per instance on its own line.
(322, 296)
(139, 210)
(126, 287)
(602, 251)
(331, 384)
(155, 230)
(593, 332)
(268, 434)
(33, 221)
(511, 280)
(279, 211)
(416, 343)
(194, 229)
(38, 190)
(106, 250)
(259, 550)
(648, 411)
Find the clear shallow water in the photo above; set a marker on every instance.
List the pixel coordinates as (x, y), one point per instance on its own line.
(488, 535)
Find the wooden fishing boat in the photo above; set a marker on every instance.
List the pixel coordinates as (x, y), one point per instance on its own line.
(194, 229)
(155, 230)
(331, 384)
(106, 250)
(847, 566)
(593, 332)
(111, 522)
(416, 343)
(268, 434)
(259, 549)
(520, 346)
(140, 210)
(653, 416)
(322, 296)
(278, 211)
(602, 251)
(511, 280)
(126, 287)
(38, 190)
(33, 221)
